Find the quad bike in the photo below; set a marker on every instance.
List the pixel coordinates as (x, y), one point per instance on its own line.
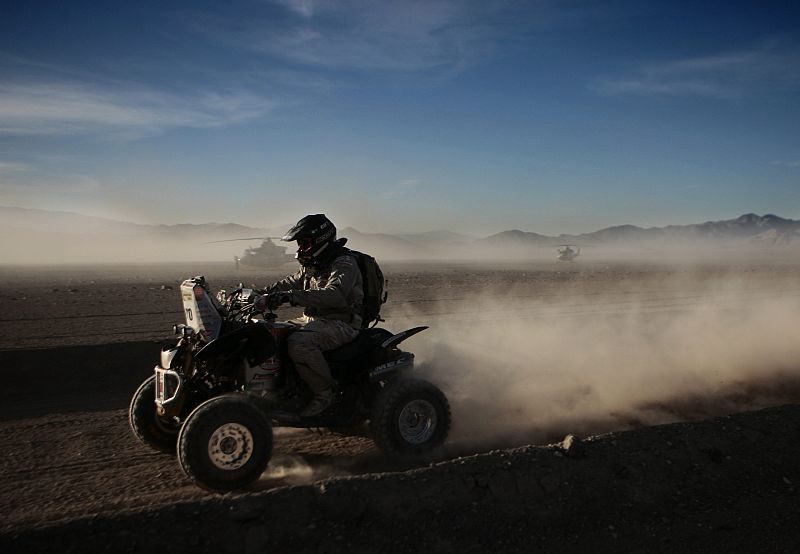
(228, 380)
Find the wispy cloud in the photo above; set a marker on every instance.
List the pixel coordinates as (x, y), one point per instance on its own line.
(770, 68)
(403, 188)
(71, 108)
(304, 8)
(7, 167)
(786, 163)
(409, 183)
(47, 184)
(395, 36)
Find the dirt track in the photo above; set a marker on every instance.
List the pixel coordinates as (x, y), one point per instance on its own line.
(71, 358)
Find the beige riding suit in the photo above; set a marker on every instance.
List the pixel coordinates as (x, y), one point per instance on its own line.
(332, 296)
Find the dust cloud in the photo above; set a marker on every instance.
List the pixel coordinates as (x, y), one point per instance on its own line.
(291, 470)
(516, 367)
(47, 248)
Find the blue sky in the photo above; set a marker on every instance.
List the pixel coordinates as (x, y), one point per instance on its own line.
(547, 116)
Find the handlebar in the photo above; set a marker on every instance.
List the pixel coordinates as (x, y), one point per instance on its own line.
(240, 303)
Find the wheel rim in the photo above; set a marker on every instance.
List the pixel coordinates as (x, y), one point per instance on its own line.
(417, 421)
(230, 446)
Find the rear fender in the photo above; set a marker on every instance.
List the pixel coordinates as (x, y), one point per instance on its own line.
(394, 340)
(399, 361)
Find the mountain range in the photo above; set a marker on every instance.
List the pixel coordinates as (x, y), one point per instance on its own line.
(42, 236)
(752, 228)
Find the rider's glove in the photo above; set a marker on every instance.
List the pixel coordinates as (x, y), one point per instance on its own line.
(260, 303)
(272, 300)
(275, 299)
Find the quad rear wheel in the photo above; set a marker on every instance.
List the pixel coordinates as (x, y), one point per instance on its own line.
(226, 443)
(156, 432)
(410, 416)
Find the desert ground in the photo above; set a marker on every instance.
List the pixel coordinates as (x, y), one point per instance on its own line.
(680, 380)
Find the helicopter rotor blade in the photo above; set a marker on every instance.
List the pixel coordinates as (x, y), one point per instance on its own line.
(246, 238)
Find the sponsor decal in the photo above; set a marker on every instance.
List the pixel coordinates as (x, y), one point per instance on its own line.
(199, 292)
(389, 366)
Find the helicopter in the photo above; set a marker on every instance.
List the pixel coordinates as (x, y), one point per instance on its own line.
(568, 252)
(268, 255)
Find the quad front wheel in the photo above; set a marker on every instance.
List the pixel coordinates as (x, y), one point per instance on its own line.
(156, 432)
(410, 416)
(226, 443)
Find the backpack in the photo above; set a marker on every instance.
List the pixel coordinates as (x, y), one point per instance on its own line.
(374, 288)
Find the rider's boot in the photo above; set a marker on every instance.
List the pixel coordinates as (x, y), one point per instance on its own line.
(321, 402)
(270, 395)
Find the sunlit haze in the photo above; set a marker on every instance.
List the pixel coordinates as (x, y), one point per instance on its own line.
(476, 117)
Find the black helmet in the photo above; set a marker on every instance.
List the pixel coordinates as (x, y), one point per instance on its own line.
(315, 234)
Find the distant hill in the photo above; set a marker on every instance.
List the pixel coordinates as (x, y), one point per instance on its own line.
(42, 236)
(749, 228)
(25, 219)
(384, 246)
(516, 237)
(437, 237)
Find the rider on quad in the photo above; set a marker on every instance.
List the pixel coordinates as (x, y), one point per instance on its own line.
(329, 286)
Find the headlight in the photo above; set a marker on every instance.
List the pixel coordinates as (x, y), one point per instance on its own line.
(182, 330)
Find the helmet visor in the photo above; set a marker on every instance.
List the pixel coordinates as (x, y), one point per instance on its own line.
(305, 245)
